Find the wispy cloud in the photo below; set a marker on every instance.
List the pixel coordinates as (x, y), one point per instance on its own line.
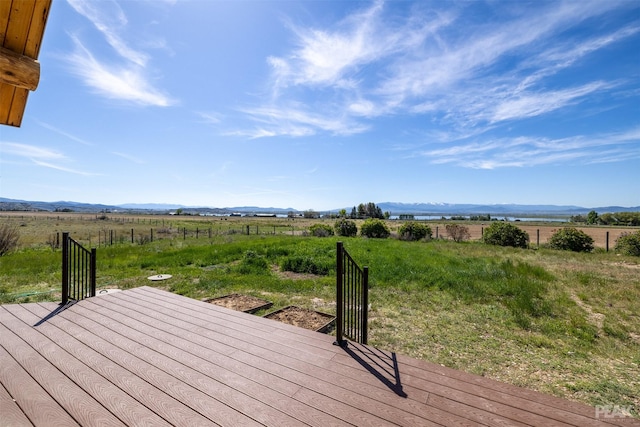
(128, 82)
(129, 157)
(127, 79)
(109, 19)
(464, 75)
(492, 153)
(40, 156)
(63, 133)
(535, 104)
(296, 121)
(210, 117)
(29, 151)
(63, 169)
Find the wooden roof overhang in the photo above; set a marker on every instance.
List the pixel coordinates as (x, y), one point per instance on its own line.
(22, 24)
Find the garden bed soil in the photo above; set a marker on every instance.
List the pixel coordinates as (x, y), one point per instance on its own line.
(303, 318)
(239, 302)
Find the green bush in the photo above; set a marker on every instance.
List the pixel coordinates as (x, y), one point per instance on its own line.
(252, 263)
(414, 231)
(305, 264)
(9, 237)
(628, 244)
(505, 234)
(374, 228)
(571, 239)
(345, 227)
(321, 230)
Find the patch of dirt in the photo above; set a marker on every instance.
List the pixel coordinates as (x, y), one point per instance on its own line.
(239, 302)
(626, 264)
(594, 318)
(291, 275)
(301, 317)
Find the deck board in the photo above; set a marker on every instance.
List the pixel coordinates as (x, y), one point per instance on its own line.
(147, 357)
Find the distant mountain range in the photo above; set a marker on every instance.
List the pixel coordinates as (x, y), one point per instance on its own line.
(393, 208)
(499, 209)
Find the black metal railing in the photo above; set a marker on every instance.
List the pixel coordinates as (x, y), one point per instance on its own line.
(78, 270)
(352, 288)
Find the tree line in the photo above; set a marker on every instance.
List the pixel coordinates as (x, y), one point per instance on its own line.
(615, 218)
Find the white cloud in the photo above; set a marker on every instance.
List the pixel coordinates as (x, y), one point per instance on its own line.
(323, 56)
(109, 19)
(127, 79)
(40, 156)
(210, 117)
(129, 157)
(529, 105)
(62, 168)
(297, 122)
(63, 133)
(126, 83)
(29, 151)
(467, 77)
(492, 153)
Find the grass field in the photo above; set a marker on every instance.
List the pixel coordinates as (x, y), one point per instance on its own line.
(558, 322)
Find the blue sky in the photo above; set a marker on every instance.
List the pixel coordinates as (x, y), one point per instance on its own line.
(327, 104)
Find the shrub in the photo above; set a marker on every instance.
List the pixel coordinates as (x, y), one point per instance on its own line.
(505, 234)
(628, 244)
(305, 264)
(571, 239)
(414, 231)
(252, 263)
(9, 237)
(321, 230)
(374, 228)
(458, 232)
(345, 227)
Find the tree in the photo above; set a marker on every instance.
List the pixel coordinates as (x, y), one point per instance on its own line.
(374, 228)
(368, 210)
(571, 239)
(505, 234)
(578, 218)
(592, 217)
(362, 210)
(310, 213)
(345, 227)
(354, 213)
(342, 213)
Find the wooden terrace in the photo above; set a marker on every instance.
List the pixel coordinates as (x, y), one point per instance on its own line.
(146, 357)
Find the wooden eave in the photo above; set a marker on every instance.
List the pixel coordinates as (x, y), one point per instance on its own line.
(22, 24)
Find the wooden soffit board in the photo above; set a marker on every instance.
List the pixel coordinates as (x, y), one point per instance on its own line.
(22, 24)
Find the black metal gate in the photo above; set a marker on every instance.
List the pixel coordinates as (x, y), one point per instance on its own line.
(352, 287)
(78, 270)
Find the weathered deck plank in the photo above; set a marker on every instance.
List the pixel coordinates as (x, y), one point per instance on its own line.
(149, 357)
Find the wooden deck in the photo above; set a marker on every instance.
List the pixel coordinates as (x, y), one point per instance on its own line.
(145, 357)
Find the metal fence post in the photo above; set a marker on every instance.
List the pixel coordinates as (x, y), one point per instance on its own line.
(92, 272)
(365, 303)
(339, 296)
(65, 268)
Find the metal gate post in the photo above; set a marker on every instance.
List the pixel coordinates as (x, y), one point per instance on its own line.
(339, 297)
(65, 268)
